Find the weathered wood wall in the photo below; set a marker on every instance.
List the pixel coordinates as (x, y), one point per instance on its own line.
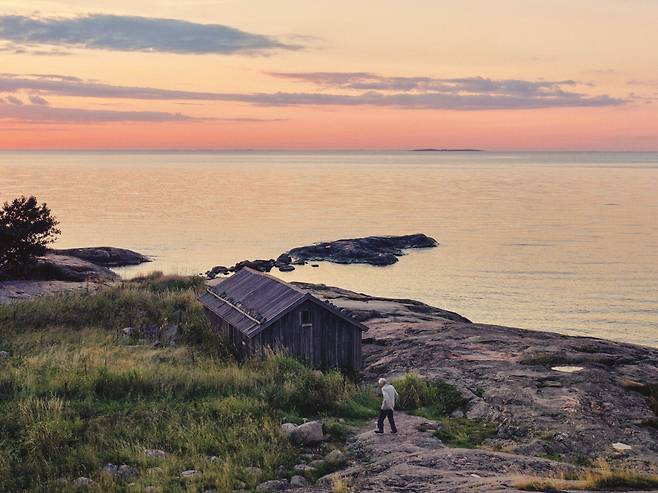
(330, 342)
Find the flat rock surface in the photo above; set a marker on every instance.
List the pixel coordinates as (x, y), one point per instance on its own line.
(12, 291)
(105, 256)
(373, 250)
(506, 375)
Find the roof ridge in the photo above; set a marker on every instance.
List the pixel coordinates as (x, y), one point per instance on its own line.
(274, 278)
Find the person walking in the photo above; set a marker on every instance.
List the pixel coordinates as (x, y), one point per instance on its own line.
(388, 404)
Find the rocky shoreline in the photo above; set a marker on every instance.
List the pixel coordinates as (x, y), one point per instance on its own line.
(371, 250)
(558, 402)
(71, 270)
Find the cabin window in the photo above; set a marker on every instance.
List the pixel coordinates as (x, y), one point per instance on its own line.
(305, 318)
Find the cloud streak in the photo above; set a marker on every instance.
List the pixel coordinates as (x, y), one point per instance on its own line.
(40, 113)
(465, 94)
(132, 34)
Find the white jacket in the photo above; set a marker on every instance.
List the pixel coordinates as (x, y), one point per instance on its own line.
(390, 396)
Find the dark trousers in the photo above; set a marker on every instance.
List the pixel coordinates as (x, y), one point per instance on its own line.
(383, 414)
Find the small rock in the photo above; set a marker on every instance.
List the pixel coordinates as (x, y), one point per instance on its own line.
(155, 453)
(286, 268)
(273, 485)
(189, 473)
(303, 468)
(457, 413)
(124, 471)
(316, 464)
(213, 458)
(621, 446)
(307, 433)
(4, 354)
(315, 265)
(83, 482)
(129, 332)
(298, 482)
(335, 458)
(428, 425)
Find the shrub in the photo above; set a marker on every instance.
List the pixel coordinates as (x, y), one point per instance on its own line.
(438, 398)
(25, 229)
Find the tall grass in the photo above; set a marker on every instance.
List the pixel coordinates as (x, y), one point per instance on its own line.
(601, 477)
(75, 395)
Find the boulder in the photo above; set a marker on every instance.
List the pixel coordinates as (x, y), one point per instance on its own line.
(335, 458)
(284, 258)
(105, 256)
(373, 250)
(287, 429)
(298, 482)
(307, 433)
(273, 485)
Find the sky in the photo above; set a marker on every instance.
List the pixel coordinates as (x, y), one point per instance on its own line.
(293, 74)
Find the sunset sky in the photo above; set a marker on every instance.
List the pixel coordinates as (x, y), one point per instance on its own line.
(264, 74)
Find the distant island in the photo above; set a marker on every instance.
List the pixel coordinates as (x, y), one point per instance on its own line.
(430, 149)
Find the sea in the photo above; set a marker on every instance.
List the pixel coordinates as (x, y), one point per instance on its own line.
(563, 241)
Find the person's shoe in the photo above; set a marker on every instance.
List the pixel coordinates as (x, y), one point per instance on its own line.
(379, 431)
(394, 432)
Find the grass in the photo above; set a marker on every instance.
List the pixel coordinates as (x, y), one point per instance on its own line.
(75, 395)
(599, 478)
(650, 390)
(465, 433)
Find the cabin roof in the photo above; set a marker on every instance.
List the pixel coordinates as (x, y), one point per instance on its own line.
(251, 300)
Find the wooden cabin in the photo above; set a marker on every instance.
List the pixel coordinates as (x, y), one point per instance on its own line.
(254, 311)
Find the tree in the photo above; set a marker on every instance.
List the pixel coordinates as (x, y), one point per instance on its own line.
(25, 229)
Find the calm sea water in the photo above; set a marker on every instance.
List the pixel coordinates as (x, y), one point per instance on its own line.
(566, 242)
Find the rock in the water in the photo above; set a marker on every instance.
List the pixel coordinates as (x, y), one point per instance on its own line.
(261, 265)
(155, 453)
(217, 270)
(105, 256)
(307, 433)
(273, 485)
(286, 268)
(373, 250)
(298, 482)
(284, 258)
